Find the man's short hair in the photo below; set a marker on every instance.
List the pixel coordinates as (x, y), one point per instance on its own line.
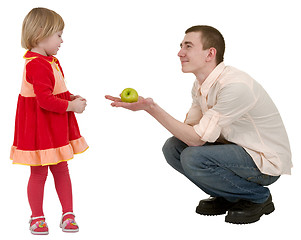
(210, 37)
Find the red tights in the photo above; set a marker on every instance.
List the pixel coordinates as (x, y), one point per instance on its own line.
(36, 183)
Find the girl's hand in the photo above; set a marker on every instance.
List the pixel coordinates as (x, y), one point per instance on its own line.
(78, 105)
(141, 104)
(73, 97)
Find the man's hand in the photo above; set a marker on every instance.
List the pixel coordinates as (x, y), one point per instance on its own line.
(141, 104)
(180, 130)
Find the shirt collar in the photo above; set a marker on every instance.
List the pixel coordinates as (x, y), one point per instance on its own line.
(33, 55)
(212, 78)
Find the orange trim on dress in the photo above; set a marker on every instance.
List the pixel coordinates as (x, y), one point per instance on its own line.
(50, 156)
(26, 88)
(59, 87)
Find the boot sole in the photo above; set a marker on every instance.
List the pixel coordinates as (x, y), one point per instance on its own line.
(211, 212)
(251, 219)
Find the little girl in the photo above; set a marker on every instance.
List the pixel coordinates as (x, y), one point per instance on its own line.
(46, 130)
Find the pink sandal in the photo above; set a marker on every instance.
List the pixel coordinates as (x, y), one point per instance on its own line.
(39, 227)
(69, 225)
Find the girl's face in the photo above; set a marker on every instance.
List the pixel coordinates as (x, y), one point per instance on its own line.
(50, 45)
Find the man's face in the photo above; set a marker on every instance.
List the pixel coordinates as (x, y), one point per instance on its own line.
(192, 55)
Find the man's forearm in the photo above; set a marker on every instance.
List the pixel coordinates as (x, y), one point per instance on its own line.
(180, 130)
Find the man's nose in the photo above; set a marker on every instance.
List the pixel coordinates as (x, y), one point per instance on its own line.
(181, 53)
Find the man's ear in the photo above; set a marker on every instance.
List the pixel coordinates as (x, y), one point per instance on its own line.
(211, 54)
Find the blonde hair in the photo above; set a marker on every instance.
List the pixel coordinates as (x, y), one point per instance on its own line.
(39, 24)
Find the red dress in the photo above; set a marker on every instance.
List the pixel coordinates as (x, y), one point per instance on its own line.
(45, 133)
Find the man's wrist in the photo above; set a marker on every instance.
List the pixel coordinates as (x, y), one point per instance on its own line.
(151, 108)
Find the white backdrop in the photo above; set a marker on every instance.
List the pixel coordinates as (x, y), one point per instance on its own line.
(123, 188)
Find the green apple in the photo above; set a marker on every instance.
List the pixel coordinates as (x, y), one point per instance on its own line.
(129, 95)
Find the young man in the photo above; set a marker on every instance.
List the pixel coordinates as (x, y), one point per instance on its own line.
(233, 141)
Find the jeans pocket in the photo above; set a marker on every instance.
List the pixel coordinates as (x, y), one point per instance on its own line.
(263, 179)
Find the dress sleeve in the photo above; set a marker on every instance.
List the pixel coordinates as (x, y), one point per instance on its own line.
(233, 101)
(40, 74)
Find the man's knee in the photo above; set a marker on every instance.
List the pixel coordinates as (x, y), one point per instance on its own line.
(168, 150)
(193, 160)
(169, 145)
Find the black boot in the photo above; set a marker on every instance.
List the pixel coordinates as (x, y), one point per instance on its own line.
(248, 212)
(214, 206)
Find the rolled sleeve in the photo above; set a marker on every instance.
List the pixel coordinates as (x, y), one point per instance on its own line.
(195, 112)
(194, 115)
(208, 128)
(233, 101)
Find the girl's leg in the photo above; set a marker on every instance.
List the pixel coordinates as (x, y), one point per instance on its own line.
(35, 189)
(35, 192)
(63, 187)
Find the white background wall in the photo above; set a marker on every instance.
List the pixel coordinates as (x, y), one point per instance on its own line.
(123, 188)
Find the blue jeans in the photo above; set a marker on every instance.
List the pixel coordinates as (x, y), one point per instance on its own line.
(220, 170)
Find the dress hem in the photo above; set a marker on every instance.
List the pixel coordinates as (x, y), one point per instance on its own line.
(50, 156)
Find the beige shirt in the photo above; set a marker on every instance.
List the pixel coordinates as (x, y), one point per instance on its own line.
(232, 106)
